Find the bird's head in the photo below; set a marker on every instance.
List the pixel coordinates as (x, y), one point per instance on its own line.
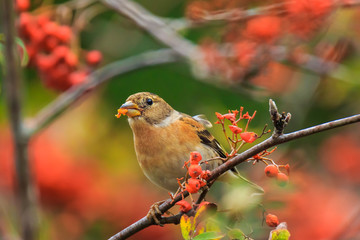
(146, 106)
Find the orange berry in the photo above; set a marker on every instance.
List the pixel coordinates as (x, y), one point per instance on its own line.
(22, 5)
(184, 206)
(195, 157)
(193, 185)
(77, 77)
(94, 57)
(194, 170)
(265, 28)
(271, 170)
(272, 220)
(64, 33)
(282, 179)
(61, 51)
(71, 59)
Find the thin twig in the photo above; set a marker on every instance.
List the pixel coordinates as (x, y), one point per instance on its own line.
(231, 163)
(65, 100)
(12, 88)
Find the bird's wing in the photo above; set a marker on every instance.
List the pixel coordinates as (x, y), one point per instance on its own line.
(209, 140)
(205, 136)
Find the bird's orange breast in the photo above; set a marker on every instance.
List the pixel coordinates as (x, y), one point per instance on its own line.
(162, 151)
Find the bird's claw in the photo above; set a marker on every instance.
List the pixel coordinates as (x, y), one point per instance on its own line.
(155, 213)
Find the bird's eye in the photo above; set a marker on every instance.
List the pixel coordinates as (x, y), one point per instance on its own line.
(149, 101)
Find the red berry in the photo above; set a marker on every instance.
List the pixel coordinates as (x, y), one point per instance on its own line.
(35, 34)
(194, 170)
(45, 62)
(64, 33)
(50, 28)
(193, 185)
(94, 57)
(32, 51)
(184, 206)
(271, 170)
(77, 77)
(22, 5)
(71, 59)
(272, 220)
(42, 20)
(282, 179)
(60, 72)
(61, 51)
(50, 43)
(25, 20)
(195, 157)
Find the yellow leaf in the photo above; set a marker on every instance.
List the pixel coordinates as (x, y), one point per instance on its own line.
(187, 226)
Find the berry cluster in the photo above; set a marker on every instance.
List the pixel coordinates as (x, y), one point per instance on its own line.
(247, 137)
(273, 171)
(239, 136)
(247, 45)
(198, 176)
(48, 45)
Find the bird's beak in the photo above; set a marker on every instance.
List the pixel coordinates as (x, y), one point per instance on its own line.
(130, 109)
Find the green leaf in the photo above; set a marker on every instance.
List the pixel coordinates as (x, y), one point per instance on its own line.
(187, 226)
(25, 56)
(281, 234)
(209, 236)
(236, 234)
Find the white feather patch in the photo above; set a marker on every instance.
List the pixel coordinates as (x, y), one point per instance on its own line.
(202, 119)
(174, 116)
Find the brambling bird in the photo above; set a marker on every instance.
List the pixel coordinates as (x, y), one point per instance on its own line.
(164, 138)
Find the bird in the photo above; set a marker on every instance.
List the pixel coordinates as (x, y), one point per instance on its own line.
(164, 139)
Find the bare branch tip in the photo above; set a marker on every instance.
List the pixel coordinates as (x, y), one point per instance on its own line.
(272, 108)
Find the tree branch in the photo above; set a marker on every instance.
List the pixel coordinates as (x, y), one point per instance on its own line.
(273, 141)
(12, 88)
(239, 14)
(65, 100)
(270, 142)
(156, 27)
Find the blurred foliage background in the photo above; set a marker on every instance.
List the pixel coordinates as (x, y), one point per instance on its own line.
(90, 185)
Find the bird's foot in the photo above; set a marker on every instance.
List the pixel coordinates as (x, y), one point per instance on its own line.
(155, 213)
